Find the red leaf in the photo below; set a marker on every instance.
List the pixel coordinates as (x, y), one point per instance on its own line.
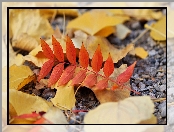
(33, 115)
(102, 84)
(125, 76)
(67, 75)
(97, 60)
(58, 51)
(70, 51)
(83, 57)
(56, 73)
(46, 68)
(79, 77)
(114, 87)
(90, 80)
(47, 50)
(108, 66)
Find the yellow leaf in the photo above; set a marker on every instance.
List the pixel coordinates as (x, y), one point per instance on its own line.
(131, 110)
(29, 21)
(17, 76)
(26, 104)
(158, 29)
(106, 31)
(64, 98)
(93, 21)
(170, 27)
(151, 120)
(139, 51)
(92, 42)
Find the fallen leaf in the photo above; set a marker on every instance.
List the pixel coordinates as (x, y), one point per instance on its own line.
(55, 116)
(46, 68)
(83, 57)
(93, 21)
(55, 74)
(151, 120)
(170, 27)
(20, 22)
(25, 42)
(68, 12)
(97, 59)
(26, 103)
(17, 75)
(140, 52)
(79, 77)
(102, 84)
(126, 75)
(108, 95)
(158, 29)
(92, 42)
(64, 98)
(108, 66)
(67, 75)
(122, 31)
(70, 51)
(105, 32)
(90, 80)
(131, 110)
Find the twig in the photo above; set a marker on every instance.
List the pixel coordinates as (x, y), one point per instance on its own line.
(141, 35)
(158, 100)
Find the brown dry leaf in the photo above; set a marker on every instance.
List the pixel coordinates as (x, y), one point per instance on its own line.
(122, 31)
(17, 76)
(55, 116)
(64, 98)
(170, 27)
(25, 42)
(93, 21)
(48, 13)
(29, 21)
(131, 110)
(92, 42)
(108, 95)
(26, 103)
(140, 52)
(158, 29)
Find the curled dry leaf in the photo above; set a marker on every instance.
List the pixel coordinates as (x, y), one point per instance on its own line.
(64, 98)
(92, 42)
(128, 111)
(25, 103)
(19, 76)
(25, 42)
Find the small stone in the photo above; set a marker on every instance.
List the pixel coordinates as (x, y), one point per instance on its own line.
(149, 82)
(142, 85)
(135, 25)
(160, 52)
(152, 53)
(162, 88)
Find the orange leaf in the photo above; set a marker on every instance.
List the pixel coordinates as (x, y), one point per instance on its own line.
(97, 60)
(125, 76)
(70, 51)
(90, 80)
(79, 77)
(39, 121)
(47, 50)
(56, 73)
(46, 68)
(108, 66)
(58, 51)
(83, 57)
(102, 84)
(67, 75)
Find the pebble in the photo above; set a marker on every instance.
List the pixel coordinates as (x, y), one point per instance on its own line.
(142, 85)
(152, 53)
(136, 25)
(162, 88)
(162, 109)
